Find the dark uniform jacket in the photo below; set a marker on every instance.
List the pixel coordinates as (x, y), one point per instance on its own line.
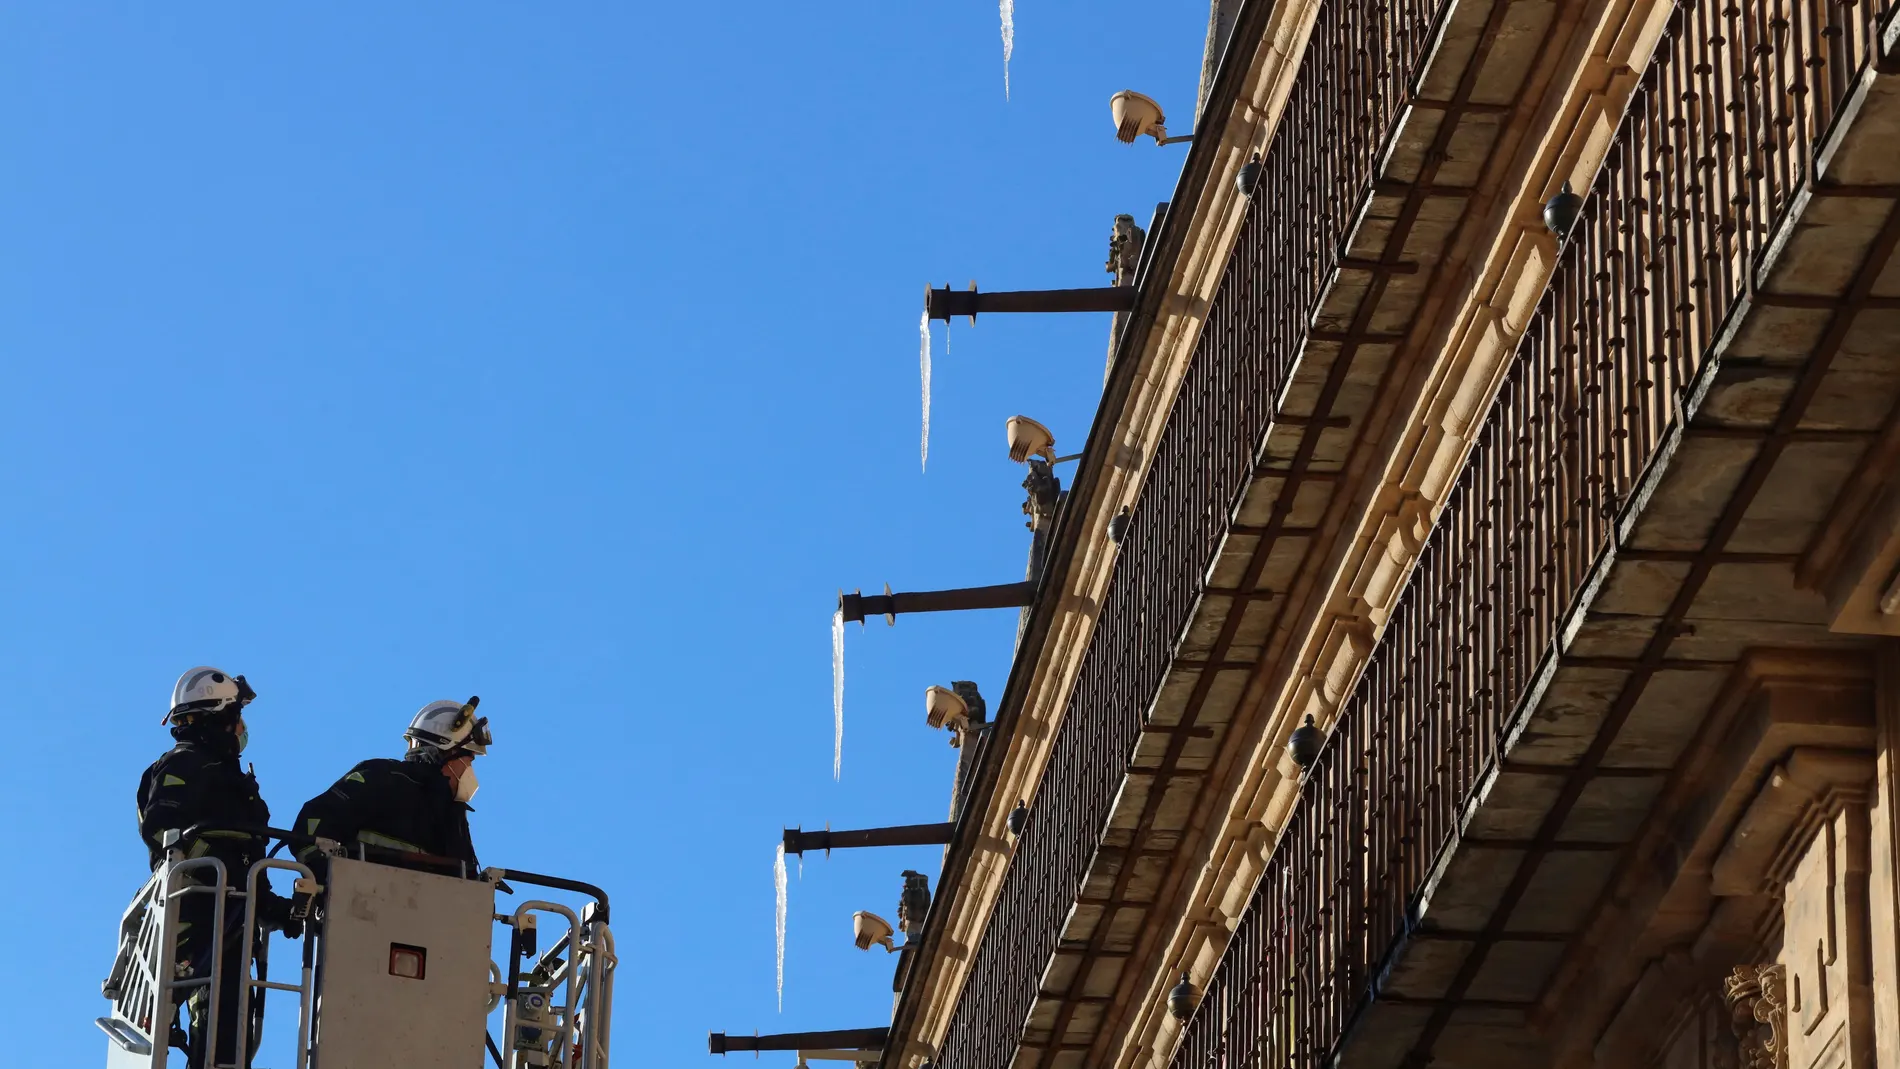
(398, 805)
(199, 782)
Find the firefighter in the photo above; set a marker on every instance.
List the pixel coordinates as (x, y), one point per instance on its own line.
(199, 782)
(416, 805)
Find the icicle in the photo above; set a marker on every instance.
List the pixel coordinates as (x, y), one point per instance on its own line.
(1008, 9)
(923, 365)
(837, 694)
(778, 879)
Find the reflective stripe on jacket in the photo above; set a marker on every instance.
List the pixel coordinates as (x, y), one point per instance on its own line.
(398, 805)
(196, 783)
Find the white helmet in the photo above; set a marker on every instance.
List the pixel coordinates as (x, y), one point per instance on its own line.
(450, 727)
(207, 690)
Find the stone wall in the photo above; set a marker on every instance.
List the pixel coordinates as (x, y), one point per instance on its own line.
(1796, 966)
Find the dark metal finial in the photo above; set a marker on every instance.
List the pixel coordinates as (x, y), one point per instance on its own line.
(1019, 818)
(1249, 177)
(1561, 211)
(1181, 999)
(1305, 743)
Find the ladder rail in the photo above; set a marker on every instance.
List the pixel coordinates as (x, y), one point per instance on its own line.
(563, 977)
(305, 988)
(142, 987)
(134, 977)
(175, 894)
(599, 1011)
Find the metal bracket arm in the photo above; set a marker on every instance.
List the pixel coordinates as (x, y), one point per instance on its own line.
(946, 302)
(843, 1039)
(855, 607)
(797, 841)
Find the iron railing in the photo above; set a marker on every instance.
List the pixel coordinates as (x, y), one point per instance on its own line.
(1717, 140)
(1318, 169)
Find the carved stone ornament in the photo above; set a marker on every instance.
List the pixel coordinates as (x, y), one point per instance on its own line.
(1758, 1010)
(1124, 248)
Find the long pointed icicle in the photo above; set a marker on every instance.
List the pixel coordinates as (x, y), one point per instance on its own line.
(923, 367)
(837, 694)
(1008, 11)
(778, 879)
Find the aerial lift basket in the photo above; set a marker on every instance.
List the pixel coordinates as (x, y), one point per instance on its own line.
(396, 968)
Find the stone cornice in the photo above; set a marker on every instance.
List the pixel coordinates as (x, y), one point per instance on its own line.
(1511, 266)
(1202, 224)
(1790, 736)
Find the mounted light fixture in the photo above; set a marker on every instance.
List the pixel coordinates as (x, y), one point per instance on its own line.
(1027, 438)
(1136, 115)
(869, 930)
(1118, 524)
(1018, 818)
(944, 708)
(1028, 441)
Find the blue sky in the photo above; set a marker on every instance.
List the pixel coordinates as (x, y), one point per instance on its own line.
(565, 358)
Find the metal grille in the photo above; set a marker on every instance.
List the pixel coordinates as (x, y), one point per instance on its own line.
(1317, 171)
(1717, 139)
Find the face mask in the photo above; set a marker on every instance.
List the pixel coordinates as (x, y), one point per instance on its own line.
(465, 784)
(243, 736)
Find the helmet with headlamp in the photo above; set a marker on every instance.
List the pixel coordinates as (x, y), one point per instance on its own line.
(450, 728)
(207, 691)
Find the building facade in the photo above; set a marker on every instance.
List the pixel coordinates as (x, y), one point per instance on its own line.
(1571, 527)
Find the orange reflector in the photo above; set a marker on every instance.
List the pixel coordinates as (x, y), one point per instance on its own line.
(409, 962)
